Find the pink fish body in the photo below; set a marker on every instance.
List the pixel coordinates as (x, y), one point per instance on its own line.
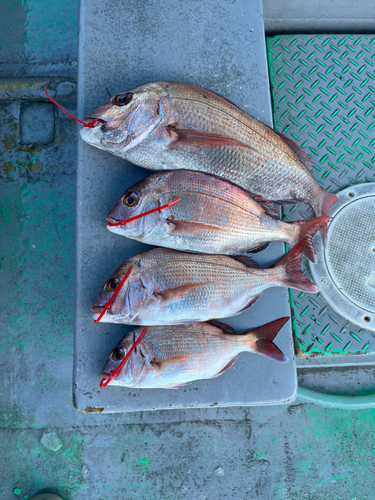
(170, 356)
(213, 216)
(171, 125)
(166, 287)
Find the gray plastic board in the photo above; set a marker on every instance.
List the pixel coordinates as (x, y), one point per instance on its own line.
(220, 46)
(318, 16)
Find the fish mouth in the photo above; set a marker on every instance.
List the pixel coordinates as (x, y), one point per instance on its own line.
(111, 220)
(105, 375)
(97, 309)
(97, 122)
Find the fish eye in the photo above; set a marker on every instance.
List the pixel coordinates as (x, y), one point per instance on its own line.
(118, 354)
(112, 284)
(123, 99)
(131, 199)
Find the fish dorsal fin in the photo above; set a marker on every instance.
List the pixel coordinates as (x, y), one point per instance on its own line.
(264, 203)
(225, 99)
(223, 327)
(302, 156)
(244, 259)
(184, 137)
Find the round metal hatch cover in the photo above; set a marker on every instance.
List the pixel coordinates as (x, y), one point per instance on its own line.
(345, 269)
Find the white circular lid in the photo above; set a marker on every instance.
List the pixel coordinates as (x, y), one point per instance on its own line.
(345, 269)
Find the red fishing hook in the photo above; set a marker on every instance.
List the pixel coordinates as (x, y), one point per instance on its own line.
(113, 374)
(90, 124)
(122, 222)
(108, 304)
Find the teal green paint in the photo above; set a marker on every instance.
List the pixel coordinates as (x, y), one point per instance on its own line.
(26, 212)
(50, 24)
(329, 155)
(145, 462)
(17, 491)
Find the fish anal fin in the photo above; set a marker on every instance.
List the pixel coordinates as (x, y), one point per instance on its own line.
(228, 365)
(223, 327)
(267, 205)
(244, 259)
(177, 293)
(252, 301)
(172, 386)
(288, 202)
(187, 227)
(258, 248)
(302, 156)
(184, 137)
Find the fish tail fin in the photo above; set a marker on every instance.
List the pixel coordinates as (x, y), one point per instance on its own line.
(264, 336)
(292, 276)
(328, 199)
(306, 230)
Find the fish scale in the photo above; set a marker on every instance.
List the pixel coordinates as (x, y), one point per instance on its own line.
(170, 287)
(174, 355)
(234, 145)
(212, 215)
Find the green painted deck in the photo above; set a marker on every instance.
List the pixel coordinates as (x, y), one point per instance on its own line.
(296, 452)
(323, 95)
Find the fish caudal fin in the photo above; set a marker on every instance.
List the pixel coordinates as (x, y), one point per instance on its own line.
(264, 336)
(307, 230)
(328, 199)
(293, 277)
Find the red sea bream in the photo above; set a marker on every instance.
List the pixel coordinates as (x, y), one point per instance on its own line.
(171, 125)
(170, 356)
(167, 287)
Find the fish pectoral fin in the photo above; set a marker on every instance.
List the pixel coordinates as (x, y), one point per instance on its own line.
(228, 365)
(170, 365)
(177, 293)
(187, 227)
(182, 137)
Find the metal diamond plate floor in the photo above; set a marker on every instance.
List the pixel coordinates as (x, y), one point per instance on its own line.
(323, 93)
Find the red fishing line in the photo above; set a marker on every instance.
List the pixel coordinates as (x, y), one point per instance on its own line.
(113, 374)
(90, 125)
(122, 222)
(108, 304)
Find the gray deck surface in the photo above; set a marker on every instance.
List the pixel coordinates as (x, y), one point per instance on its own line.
(318, 16)
(288, 452)
(150, 48)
